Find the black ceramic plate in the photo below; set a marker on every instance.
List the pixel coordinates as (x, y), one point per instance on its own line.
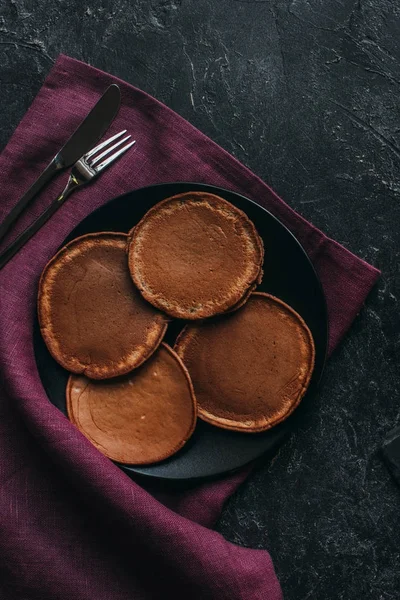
(288, 274)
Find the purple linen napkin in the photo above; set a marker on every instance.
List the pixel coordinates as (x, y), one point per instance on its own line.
(72, 524)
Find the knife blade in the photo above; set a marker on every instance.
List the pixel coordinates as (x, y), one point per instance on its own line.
(84, 137)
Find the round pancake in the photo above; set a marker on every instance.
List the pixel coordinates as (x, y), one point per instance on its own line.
(195, 255)
(250, 368)
(140, 418)
(92, 318)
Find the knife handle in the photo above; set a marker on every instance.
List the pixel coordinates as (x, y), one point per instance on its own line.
(54, 166)
(30, 231)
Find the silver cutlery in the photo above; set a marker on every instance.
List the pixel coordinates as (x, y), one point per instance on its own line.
(87, 168)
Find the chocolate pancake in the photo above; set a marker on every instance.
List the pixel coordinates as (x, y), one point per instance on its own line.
(249, 368)
(92, 318)
(140, 418)
(195, 255)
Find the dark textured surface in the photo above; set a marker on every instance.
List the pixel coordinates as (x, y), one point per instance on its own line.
(305, 93)
(391, 452)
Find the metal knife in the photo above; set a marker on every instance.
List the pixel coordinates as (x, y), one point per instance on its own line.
(86, 135)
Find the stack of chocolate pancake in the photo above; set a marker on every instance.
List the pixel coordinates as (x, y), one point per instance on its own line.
(243, 361)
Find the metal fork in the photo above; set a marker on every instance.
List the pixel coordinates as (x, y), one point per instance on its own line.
(84, 170)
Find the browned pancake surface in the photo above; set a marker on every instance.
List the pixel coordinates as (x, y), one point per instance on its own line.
(250, 368)
(195, 255)
(141, 418)
(92, 318)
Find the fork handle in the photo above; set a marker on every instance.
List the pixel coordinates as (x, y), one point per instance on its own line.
(45, 176)
(30, 231)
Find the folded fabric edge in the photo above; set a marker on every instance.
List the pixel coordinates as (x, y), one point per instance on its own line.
(354, 281)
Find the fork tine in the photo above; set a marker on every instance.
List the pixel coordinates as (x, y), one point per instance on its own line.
(113, 157)
(108, 150)
(105, 143)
